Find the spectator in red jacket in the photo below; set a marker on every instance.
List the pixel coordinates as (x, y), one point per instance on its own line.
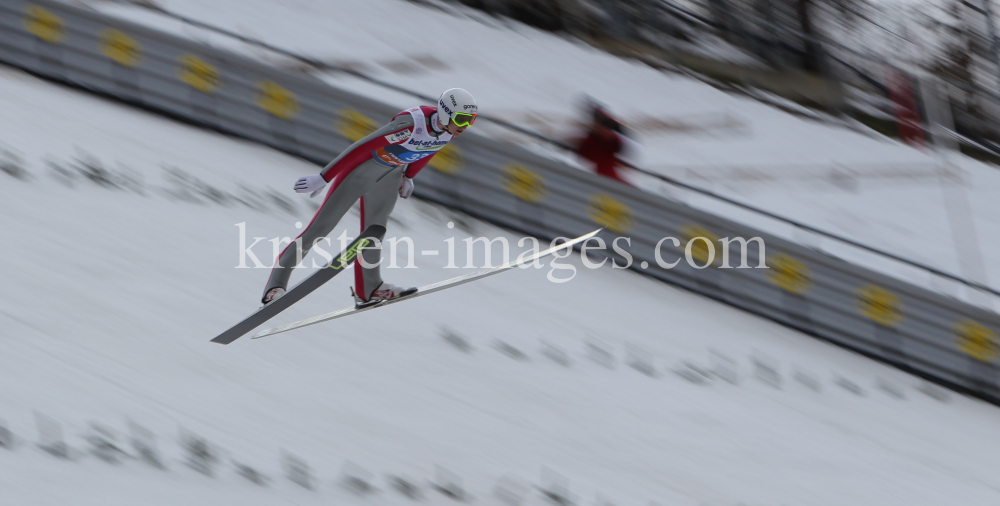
(603, 143)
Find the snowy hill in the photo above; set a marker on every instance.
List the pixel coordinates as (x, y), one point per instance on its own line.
(117, 281)
(862, 186)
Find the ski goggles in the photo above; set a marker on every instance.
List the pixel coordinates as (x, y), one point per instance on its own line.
(463, 120)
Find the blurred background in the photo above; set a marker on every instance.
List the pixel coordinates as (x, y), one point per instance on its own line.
(147, 154)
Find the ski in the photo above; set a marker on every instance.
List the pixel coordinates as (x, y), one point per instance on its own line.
(307, 286)
(428, 289)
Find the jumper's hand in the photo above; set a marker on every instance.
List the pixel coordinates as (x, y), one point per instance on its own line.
(405, 187)
(310, 184)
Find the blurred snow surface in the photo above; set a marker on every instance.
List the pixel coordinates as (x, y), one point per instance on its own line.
(111, 297)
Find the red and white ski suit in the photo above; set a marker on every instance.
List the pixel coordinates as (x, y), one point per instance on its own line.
(370, 170)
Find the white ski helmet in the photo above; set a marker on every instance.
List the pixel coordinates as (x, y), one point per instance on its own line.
(457, 101)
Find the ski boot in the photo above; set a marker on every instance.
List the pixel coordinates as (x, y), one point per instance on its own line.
(384, 292)
(272, 294)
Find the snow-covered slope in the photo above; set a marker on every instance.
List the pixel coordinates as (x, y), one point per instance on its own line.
(111, 295)
(865, 187)
(527, 76)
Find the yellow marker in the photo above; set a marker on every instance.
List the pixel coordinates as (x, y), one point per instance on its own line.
(198, 73)
(353, 125)
(699, 247)
(43, 24)
(605, 210)
(879, 305)
(976, 341)
(448, 159)
(276, 100)
(121, 48)
(790, 274)
(523, 182)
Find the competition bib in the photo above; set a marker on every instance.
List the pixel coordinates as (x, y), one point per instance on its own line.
(407, 148)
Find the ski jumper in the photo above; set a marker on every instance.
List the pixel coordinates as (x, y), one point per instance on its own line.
(370, 170)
